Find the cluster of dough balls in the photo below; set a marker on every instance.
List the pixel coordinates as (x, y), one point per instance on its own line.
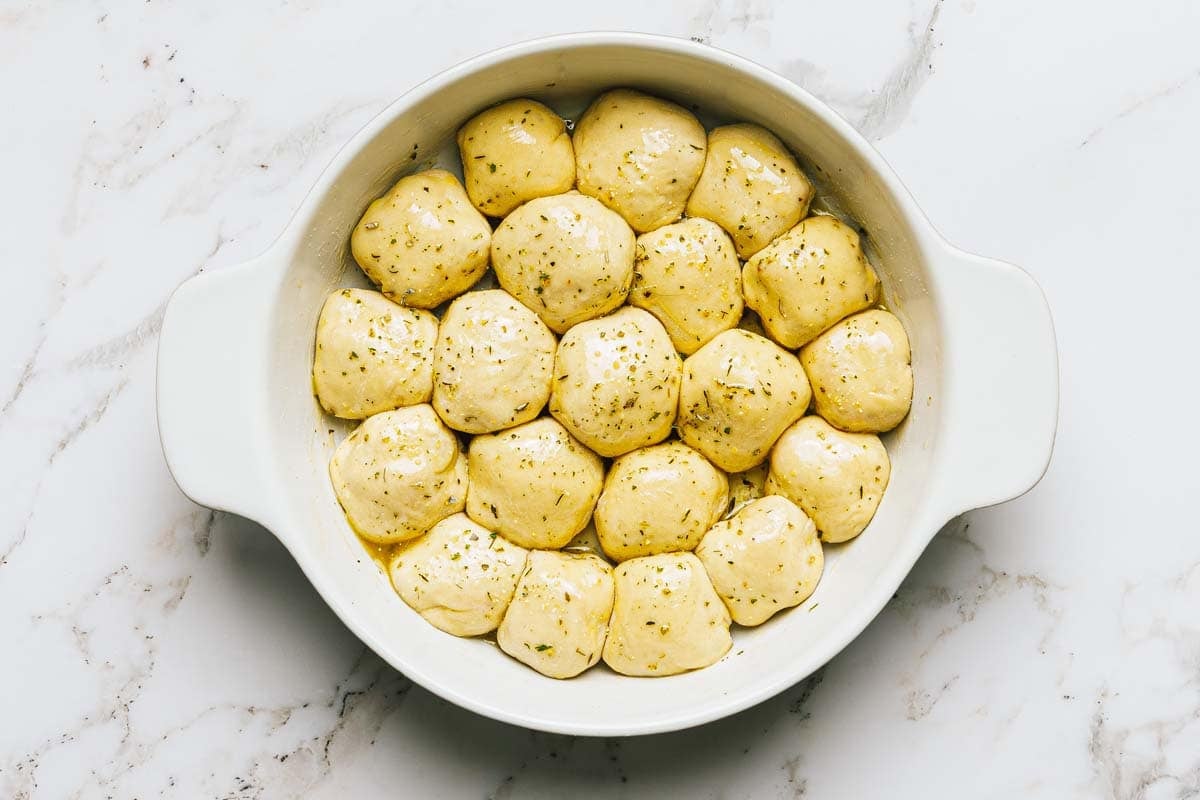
(607, 457)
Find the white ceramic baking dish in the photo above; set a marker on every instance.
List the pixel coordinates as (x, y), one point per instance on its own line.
(242, 433)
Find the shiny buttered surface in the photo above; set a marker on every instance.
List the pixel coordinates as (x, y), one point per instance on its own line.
(659, 499)
(616, 382)
(746, 487)
(423, 242)
(861, 372)
(837, 478)
(372, 355)
(460, 576)
(738, 394)
(535, 483)
(808, 279)
(765, 558)
(558, 618)
(667, 618)
(398, 474)
(751, 186)
(688, 276)
(492, 363)
(566, 257)
(639, 155)
(514, 152)
(626, 327)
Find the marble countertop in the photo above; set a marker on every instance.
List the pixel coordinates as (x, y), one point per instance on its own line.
(1049, 647)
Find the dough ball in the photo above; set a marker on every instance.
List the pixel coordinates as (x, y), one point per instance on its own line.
(746, 487)
(688, 276)
(616, 382)
(492, 363)
(534, 484)
(566, 257)
(398, 474)
(460, 576)
(739, 392)
(837, 478)
(639, 155)
(659, 499)
(423, 242)
(751, 186)
(514, 152)
(667, 618)
(860, 372)
(808, 279)
(762, 560)
(558, 618)
(372, 355)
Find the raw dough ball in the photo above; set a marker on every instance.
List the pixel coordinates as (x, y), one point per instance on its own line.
(514, 152)
(808, 279)
(399, 473)
(372, 355)
(739, 392)
(423, 242)
(492, 363)
(460, 576)
(558, 618)
(639, 155)
(746, 487)
(657, 500)
(616, 382)
(688, 276)
(751, 186)
(534, 483)
(763, 560)
(667, 617)
(567, 257)
(837, 478)
(860, 372)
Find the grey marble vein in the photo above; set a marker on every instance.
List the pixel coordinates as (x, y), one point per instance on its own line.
(81, 426)
(1141, 103)
(879, 111)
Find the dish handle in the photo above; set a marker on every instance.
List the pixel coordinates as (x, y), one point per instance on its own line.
(1001, 385)
(213, 341)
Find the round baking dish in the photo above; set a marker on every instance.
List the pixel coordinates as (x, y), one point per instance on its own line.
(242, 432)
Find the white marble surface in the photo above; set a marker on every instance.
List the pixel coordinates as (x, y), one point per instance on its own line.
(1046, 648)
